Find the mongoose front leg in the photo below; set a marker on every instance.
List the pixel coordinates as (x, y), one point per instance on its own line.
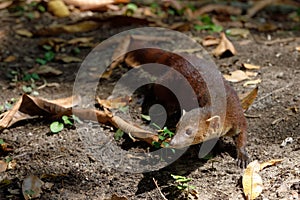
(242, 155)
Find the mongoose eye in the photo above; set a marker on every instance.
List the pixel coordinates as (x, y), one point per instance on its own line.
(188, 131)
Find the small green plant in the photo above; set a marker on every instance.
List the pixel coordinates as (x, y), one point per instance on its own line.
(182, 183)
(131, 8)
(162, 136)
(207, 24)
(118, 134)
(58, 126)
(48, 56)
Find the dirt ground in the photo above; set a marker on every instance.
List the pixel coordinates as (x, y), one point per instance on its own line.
(69, 171)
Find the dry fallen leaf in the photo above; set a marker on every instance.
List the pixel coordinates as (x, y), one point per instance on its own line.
(238, 32)
(32, 187)
(298, 48)
(114, 103)
(10, 58)
(94, 4)
(68, 59)
(46, 70)
(225, 47)
(247, 99)
(57, 29)
(80, 40)
(24, 32)
(3, 166)
(210, 41)
(252, 82)
(270, 163)
(236, 76)
(58, 8)
(29, 107)
(252, 182)
(5, 4)
(251, 74)
(117, 197)
(250, 66)
(218, 8)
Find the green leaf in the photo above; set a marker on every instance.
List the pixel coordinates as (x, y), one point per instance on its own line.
(49, 55)
(132, 7)
(156, 144)
(166, 144)
(47, 47)
(118, 134)
(2, 141)
(26, 77)
(56, 127)
(41, 8)
(123, 109)
(76, 119)
(217, 28)
(76, 50)
(41, 61)
(35, 76)
(66, 120)
(8, 159)
(7, 106)
(160, 137)
(168, 132)
(146, 117)
(156, 126)
(26, 89)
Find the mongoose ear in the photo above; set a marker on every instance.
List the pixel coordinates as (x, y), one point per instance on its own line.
(183, 112)
(214, 122)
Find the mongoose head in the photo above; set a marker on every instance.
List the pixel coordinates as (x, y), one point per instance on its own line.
(194, 127)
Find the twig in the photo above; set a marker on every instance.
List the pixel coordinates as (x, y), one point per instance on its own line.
(274, 91)
(162, 195)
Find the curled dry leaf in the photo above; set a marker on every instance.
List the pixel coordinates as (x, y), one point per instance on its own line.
(32, 187)
(252, 182)
(24, 32)
(225, 47)
(210, 41)
(236, 76)
(29, 107)
(248, 98)
(250, 66)
(270, 163)
(58, 8)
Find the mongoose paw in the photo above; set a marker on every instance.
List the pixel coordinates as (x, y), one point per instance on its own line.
(243, 159)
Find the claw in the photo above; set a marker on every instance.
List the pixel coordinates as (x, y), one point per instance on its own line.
(243, 159)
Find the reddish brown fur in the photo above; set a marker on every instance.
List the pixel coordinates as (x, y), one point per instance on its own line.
(235, 123)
